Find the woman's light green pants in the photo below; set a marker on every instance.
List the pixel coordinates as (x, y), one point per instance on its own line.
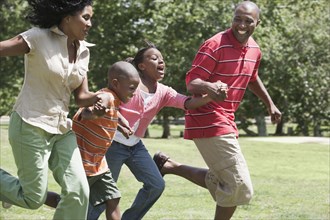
(35, 151)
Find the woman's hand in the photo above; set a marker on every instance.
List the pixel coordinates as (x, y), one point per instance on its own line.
(101, 104)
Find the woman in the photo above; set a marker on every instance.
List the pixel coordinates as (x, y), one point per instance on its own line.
(56, 65)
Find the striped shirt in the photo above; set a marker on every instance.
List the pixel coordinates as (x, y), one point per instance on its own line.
(95, 136)
(222, 58)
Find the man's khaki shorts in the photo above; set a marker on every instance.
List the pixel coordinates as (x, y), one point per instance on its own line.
(228, 179)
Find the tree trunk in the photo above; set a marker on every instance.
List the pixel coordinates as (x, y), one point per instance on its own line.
(305, 129)
(317, 129)
(245, 127)
(261, 124)
(147, 134)
(166, 127)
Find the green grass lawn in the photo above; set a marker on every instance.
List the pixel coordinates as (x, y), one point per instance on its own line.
(291, 181)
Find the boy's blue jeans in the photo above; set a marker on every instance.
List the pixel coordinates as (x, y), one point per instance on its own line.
(140, 163)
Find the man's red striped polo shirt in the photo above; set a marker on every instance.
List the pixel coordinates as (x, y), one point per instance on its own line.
(222, 58)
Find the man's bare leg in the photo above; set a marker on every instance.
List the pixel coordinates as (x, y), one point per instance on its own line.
(193, 174)
(224, 213)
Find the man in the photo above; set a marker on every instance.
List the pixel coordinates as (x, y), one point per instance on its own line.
(233, 58)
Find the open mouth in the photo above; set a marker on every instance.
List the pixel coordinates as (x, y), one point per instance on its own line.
(161, 68)
(242, 32)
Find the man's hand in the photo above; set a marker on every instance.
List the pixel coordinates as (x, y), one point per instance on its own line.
(217, 91)
(275, 114)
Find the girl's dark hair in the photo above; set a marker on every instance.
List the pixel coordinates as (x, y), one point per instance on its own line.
(138, 58)
(47, 13)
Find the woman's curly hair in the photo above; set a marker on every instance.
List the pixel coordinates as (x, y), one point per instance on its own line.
(47, 13)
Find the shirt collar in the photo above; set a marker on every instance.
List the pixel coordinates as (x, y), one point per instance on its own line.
(56, 30)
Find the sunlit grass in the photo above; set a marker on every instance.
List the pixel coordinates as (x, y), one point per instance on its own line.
(291, 181)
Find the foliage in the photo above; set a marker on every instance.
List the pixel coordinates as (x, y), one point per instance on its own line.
(11, 68)
(293, 36)
(180, 28)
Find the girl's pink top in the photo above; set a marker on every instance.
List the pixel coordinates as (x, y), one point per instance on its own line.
(135, 110)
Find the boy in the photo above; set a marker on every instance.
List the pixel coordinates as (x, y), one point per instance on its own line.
(95, 133)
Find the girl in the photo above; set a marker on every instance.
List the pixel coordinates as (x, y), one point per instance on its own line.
(151, 96)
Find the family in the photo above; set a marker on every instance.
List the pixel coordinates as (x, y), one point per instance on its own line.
(86, 154)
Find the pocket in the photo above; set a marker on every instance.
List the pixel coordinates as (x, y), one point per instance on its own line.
(228, 171)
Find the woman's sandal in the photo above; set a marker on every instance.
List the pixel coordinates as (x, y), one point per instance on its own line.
(160, 159)
(6, 205)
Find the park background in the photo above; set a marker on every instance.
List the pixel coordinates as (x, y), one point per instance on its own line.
(293, 36)
(291, 178)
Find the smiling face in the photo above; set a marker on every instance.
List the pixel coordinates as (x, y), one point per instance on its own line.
(127, 86)
(246, 19)
(79, 24)
(123, 79)
(153, 65)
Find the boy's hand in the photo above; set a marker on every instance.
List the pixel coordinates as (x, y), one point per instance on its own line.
(87, 114)
(99, 110)
(123, 126)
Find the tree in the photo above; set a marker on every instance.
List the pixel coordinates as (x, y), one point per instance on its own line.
(11, 68)
(179, 28)
(293, 36)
